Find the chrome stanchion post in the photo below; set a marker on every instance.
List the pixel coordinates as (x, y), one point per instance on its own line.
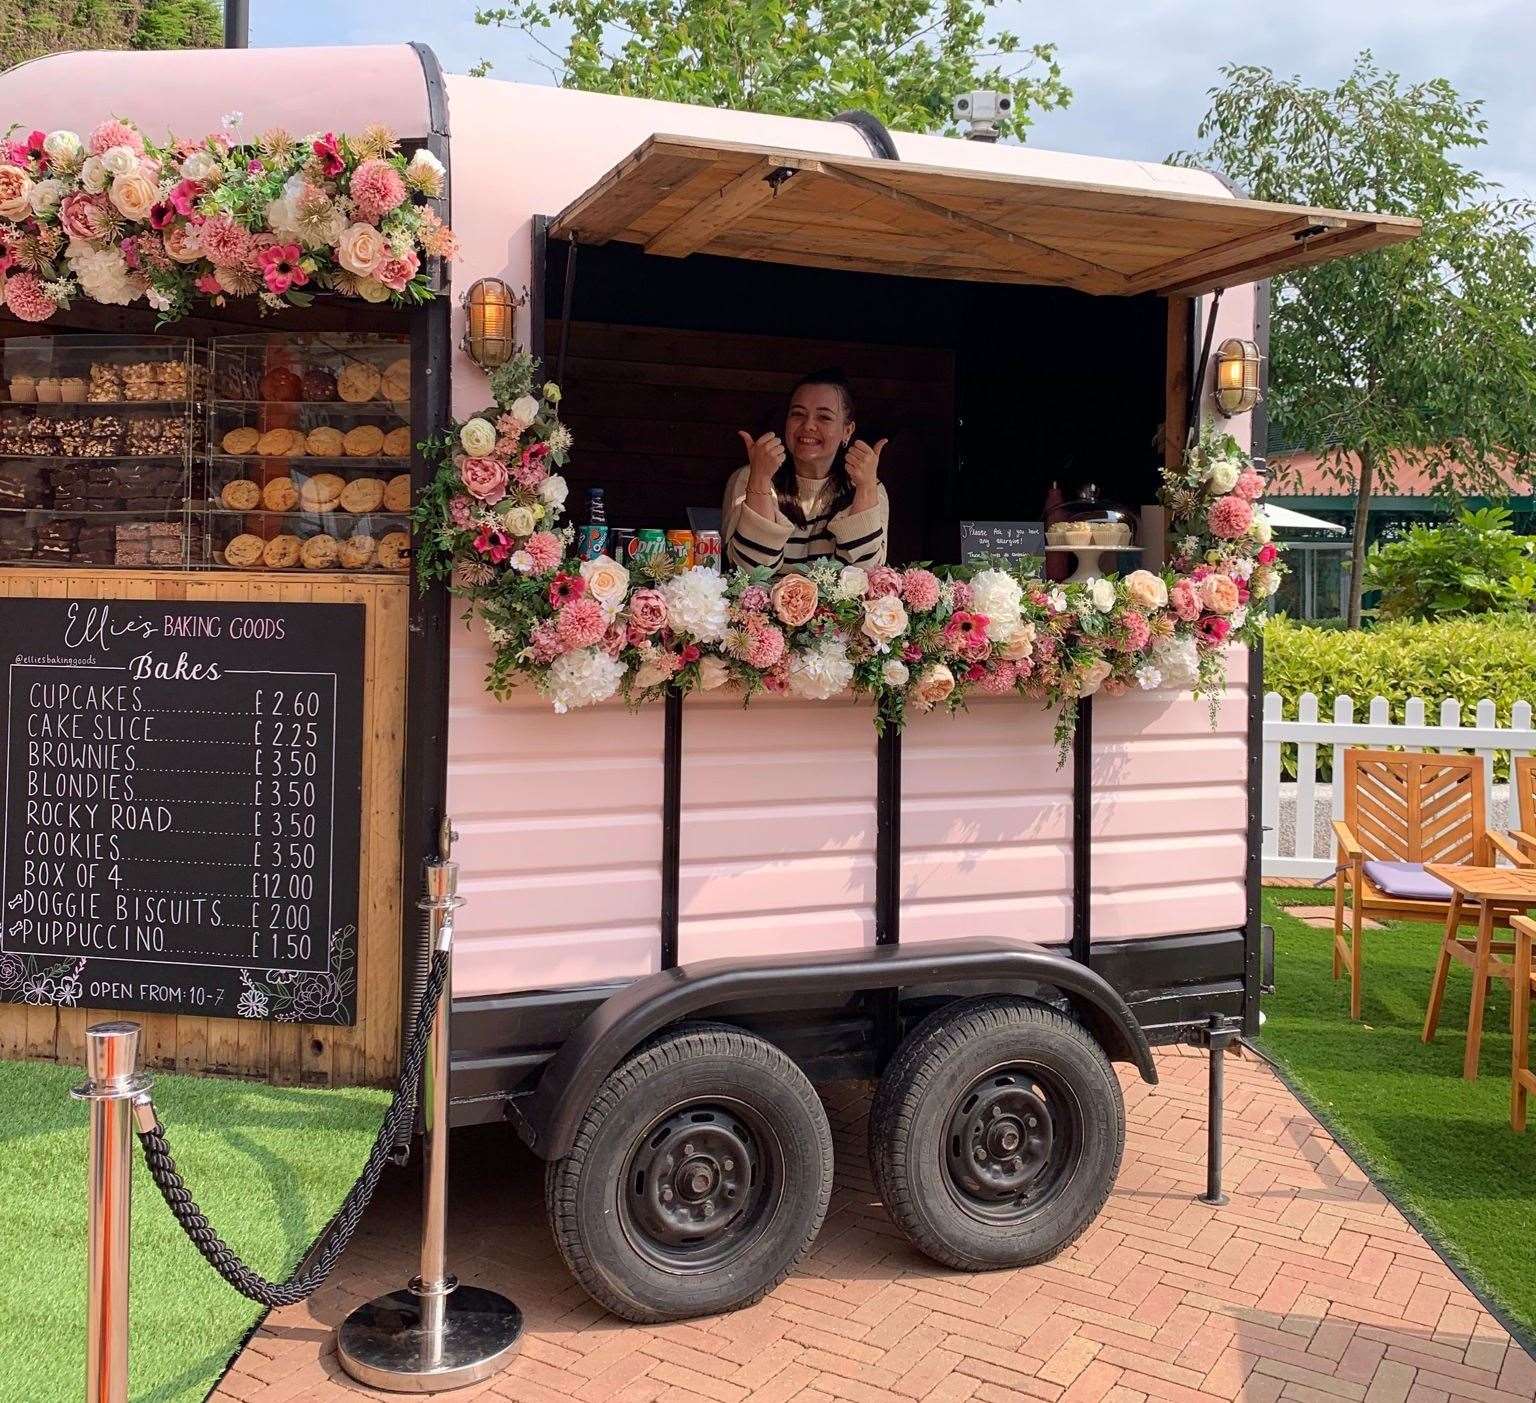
(113, 1081)
(434, 1334)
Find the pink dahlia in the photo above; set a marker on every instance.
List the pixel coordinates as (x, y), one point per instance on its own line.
(376, 189)
(920, 590)
(1136, 632)
(1184, 597)
(1250, 485)
(964, 595)
(754, 599)
(546, 550)
(764, 645)
(581, 624)
(528, 472)
(883, 580)
(997, 681)
(1230, 517)
(544, 641)
(225, 243)
(114, 133)
(25, 297)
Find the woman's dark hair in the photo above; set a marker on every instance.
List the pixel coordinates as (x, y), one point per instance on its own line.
(842, 486)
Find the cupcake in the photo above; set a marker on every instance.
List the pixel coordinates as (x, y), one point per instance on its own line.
(48, 390)
(72, 390)
(1077, 533)
(23, 389)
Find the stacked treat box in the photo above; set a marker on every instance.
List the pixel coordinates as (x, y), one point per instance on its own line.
(97, 433)
(309, 446)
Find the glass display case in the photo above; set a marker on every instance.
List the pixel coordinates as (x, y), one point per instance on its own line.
(308, 452)
(97, 437)
(1092, 529)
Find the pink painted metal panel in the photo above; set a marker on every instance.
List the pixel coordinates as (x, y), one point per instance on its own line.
(559, 822)
(188, 91)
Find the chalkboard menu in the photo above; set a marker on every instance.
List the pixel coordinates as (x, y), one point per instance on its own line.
(182, 806)
(1010, 539)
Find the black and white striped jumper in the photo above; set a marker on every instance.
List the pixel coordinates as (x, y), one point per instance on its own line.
(852, 538)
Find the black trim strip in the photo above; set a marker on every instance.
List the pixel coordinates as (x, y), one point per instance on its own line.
(874, 535)
(885, 1004)
(1082, 832)
(861, 559)
(566, 297)
(1253, 910)
(750, 544)
(671, 823)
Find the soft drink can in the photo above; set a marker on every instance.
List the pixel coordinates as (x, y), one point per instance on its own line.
(650, 542)
(619, 547)
(594, 540)
(680, 544)
(706, 549)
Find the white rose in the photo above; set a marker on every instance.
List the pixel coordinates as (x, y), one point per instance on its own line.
(895, 673)
(553, 491)
(713, 672)
(852, 582)
(120, 160)
(1102, 592)
(478, 437)
(1222, 475)
(1147, 591)
(524, 409)
(63, 147)
(607, 581)
(1260, 531)
(885, 619)
(519, 521)
(93, 175)
(520, 561)
(201, 166)
(372, 290)
(44, 196)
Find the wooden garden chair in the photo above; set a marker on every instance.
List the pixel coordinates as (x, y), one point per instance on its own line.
(1522, 805)
(1402, 811)
(1521, 1079)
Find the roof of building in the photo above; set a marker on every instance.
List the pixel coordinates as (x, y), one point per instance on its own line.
(1307, 475)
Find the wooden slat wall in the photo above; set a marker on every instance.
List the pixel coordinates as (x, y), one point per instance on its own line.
(282, 1052)
(655, 411)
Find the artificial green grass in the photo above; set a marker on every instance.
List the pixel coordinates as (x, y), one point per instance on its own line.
(269, 1165)
(1441, 1146)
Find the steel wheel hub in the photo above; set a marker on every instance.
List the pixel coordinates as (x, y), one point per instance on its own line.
(999, 1138)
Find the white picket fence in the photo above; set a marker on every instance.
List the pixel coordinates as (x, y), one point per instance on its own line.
(1288, 848)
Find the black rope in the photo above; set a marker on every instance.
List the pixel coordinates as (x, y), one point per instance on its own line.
(333, 1241)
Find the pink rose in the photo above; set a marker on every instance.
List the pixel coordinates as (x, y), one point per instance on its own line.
(1250, 485)
(883, 580)
(885, 619)
(396, 273)
(14, 185)
(134, 195)
(647, 611)
(1267, 554)
(794, 599)
(183, 242)
(85, 217)
(920, 588)
(485, 478)
(1185, 600)
(1218, 594)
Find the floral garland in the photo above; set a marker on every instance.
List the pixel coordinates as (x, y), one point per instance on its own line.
(116, 218)
(919, 638)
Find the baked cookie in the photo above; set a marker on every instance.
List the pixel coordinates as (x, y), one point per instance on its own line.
(280, 495)
(324, 442)
(245, 550)
(241, 495)
(279, 383)
(239, 442)
(394, 551)
(397, 379)
(278, 443)
(397, 493)
(358, 382)
(318, 552)
(357, 552)
(363, 495)
(319, 384)
(281, 552)
(397, 442)
(321, 493)
(365, 441)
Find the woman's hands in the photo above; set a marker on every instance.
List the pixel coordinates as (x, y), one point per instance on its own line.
(863, 464)
(765, 456)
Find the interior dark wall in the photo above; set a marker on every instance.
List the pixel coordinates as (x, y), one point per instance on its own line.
(1049, 385)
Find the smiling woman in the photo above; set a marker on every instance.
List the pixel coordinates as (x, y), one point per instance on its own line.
(819, 496)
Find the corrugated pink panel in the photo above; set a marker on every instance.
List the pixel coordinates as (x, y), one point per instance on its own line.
(778, 830)
(986, 825)
(1170, 811)
(559, 821)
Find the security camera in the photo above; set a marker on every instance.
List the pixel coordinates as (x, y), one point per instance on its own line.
(980, 112)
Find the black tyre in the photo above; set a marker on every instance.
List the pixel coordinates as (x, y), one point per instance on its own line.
(996, 1134)
(698, 1180)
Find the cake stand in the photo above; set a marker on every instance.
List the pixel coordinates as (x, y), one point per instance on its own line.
(1090, 560)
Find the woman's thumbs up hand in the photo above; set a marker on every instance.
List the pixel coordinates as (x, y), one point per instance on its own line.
(863, 463)
(765, 456)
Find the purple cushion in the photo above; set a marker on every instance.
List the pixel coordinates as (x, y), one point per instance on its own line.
(1408, 880)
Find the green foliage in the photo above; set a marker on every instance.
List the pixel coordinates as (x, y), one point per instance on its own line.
(1474, 564)
(903, 60)
(179, 24)
(1459, 659)
(1424, 347)
(42, 27)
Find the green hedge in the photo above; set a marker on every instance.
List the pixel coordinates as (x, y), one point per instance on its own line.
(1463, 659)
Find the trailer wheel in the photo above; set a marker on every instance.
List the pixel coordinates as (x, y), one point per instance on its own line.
(698, 1180)
(996, 1134)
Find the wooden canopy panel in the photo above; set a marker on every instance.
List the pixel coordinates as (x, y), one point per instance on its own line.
(678, 195)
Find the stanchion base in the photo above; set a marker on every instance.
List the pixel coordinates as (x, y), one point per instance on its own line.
(1220, 1201)
(382, 1344)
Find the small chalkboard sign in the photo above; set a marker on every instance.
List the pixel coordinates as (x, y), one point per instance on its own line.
(182, 806)
(1013, 540)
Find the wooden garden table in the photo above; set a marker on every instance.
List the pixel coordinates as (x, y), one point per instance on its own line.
(1499, 893)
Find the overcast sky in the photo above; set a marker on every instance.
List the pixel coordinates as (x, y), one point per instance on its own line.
(1139, 69)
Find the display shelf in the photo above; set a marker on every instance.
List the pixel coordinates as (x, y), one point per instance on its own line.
(343, 462)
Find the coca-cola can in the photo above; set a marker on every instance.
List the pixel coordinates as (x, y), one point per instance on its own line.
(706, 548)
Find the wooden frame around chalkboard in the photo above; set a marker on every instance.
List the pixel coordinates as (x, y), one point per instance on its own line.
(320, 1054)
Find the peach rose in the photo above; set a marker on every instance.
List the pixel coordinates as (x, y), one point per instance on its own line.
(1019, 644)
(794, 599)
(934, 685)
(1146, 590)
(885, 619)
(485, 478)
(713, 672)
(15, 184)
(360, 249)
(607, 581)
(1218, 594)
(134, 195)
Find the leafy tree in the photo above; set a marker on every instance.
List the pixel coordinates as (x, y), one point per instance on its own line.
(30, 30)
(903, 60)
(1425, 348)
(1475, 564)
(179, 24)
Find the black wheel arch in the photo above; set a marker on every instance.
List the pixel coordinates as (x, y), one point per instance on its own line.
(547, 1119)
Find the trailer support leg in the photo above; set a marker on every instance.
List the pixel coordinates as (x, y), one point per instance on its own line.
(1219, 1035)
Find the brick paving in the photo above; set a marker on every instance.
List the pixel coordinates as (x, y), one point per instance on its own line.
(1308, 1286)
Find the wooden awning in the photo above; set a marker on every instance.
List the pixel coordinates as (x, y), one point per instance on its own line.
(678, 195)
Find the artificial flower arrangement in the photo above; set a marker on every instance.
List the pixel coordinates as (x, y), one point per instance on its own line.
(115, 218)
(919, 638)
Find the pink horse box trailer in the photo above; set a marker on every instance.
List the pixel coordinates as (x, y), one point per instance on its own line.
(678, 918)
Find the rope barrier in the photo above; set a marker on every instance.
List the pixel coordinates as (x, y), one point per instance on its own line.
(333, 1241)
